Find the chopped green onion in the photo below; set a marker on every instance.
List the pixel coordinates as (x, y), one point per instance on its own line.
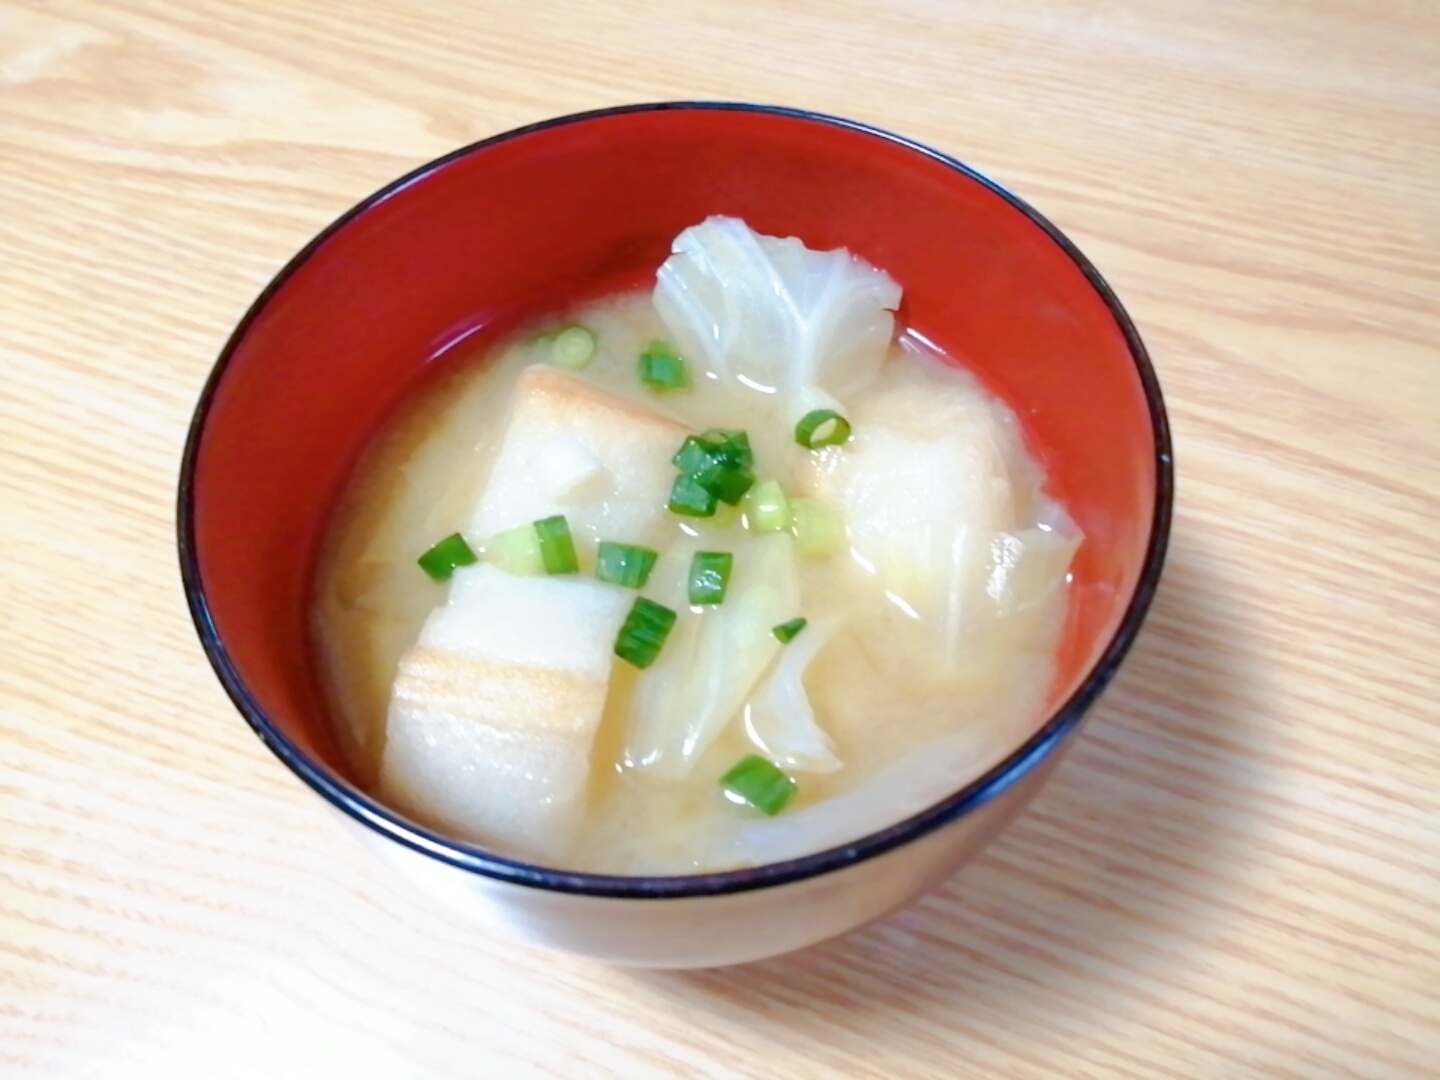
(786, 631)
(726, 446)
(516, 551)
(643, 635)
(766, 508)
(627, 565)
(694, 454)
(710, 576)
(820, 428)
(661, 368)
(663, 372)
(728, 483)
(557, 547)
(759, 783)
(573, 348)
(690, 498)
(719, 461)
(818, 529)
(446, 557)
(730, 445)
(736, 447)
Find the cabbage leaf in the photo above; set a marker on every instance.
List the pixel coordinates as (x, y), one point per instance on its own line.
(713, 658)
(779, 718)
(812, 326)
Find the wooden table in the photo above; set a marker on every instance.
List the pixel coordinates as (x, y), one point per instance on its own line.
(1235, 874)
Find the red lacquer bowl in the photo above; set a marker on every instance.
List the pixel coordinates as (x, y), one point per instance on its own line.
(525, 221)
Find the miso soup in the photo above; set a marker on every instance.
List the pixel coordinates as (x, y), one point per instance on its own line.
(705, 576)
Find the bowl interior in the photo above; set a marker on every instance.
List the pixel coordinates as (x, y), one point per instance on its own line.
(525, 222)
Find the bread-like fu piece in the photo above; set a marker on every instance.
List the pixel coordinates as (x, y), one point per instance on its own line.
(935, 469)
(495, 708)
(956, 570)
(556, 421)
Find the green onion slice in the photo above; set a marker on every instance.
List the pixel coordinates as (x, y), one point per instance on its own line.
(720, 461)
(818, 529)
(728, 483)
(557, 547)
(626, 565)
(690, 498)
(643, 635)
(661, 368)
(516, 551)
(694, 455)
(718, 446)
(730, 445)
(573, 348)
(758, 783)
(446, 557)
(786, 631)
(766, 508)
(820, 428)
(710, 576)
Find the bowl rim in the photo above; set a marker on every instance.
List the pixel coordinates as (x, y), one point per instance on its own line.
(372, 815)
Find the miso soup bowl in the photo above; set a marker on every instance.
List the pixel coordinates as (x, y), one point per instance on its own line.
(471, 244)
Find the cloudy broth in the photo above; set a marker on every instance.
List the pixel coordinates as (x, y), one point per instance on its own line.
(937, 674)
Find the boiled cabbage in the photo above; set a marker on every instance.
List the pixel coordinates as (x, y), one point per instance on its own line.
(779, 718)
(713, 658)
(811, 326)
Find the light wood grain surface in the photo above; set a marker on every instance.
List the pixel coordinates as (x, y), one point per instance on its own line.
(1237, 871)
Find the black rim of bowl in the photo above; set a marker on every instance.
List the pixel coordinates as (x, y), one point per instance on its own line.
(360, 806)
